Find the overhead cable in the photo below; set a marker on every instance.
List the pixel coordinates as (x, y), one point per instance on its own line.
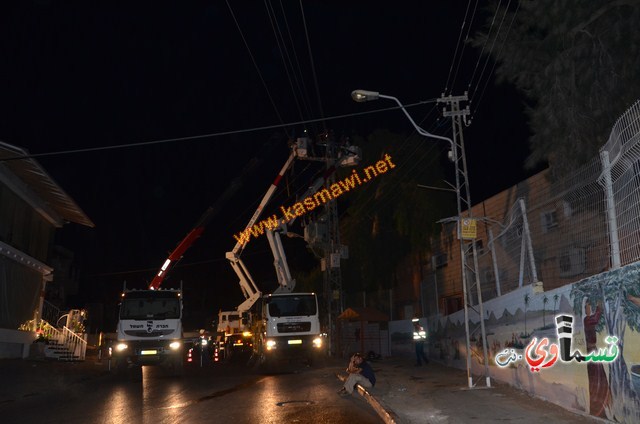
(210, 135)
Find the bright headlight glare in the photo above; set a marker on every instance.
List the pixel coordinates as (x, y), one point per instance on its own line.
(317, 342)
(120, 347)
(174, 345)
(246, 334)
(271, 344)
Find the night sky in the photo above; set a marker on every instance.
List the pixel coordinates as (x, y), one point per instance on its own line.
(78, 75)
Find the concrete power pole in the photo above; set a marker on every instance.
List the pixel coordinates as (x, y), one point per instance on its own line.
(324, 237)
(332, 273)
(466, 227)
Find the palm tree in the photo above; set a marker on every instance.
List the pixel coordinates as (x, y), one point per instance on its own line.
(545, 299)
(555, 303)
(526, 303)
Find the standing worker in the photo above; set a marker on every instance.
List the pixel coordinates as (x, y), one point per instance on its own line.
(419, 337)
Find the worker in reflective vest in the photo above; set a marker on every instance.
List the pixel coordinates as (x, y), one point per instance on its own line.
(419, 337)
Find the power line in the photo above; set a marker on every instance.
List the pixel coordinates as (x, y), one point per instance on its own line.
(313, 67)
(493, 44)
(255, 64)
(275, 27)
(496, 60)
(210, 135)
(303, 89)
(180, 265)
(464, 45)
(455, 53)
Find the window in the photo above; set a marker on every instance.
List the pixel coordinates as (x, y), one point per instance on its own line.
(549, 220)
(439, 260)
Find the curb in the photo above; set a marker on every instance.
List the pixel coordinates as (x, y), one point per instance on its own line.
(388, 416)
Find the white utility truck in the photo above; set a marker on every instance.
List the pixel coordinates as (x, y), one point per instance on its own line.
(149, 330)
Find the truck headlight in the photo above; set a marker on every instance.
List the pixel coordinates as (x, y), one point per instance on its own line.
(317, 342)
(174, 345)
(271, 344)
(120, 347)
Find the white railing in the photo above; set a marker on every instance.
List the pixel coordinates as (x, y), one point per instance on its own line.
(74, 343)
(50, 312)
(70, 341)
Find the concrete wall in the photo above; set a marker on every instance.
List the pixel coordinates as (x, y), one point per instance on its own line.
(15, 343)
(364, 337)
(603, 305)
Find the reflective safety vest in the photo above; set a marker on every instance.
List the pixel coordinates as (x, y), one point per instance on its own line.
(419, 335)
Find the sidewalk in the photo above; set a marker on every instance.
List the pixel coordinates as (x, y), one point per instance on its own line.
(23, 378)
(434, 393)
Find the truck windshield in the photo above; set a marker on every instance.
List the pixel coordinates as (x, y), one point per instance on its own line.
(150, 308)
(288, 306)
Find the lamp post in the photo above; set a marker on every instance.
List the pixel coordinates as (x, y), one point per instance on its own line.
(461, 172)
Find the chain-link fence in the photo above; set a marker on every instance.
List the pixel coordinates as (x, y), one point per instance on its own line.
(563, 231)
(556, 232)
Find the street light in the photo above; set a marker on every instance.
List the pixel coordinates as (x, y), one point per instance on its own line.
(361, 96)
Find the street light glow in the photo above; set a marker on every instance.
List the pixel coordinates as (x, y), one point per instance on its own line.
(362, 96)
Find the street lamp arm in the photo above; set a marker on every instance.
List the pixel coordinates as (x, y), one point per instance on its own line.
(417, 128)
(368, 95)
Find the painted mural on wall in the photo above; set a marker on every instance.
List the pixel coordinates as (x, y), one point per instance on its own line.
(578, 346)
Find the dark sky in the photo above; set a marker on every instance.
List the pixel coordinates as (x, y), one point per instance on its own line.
(78, 75)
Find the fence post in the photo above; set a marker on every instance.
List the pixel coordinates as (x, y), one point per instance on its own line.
(612, 221)
(527, 236)
(496, 273)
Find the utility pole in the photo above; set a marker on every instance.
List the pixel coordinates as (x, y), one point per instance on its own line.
(466, 227)
(326, 238)
(332, 273)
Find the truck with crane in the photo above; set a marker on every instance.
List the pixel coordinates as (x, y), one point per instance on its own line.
(284, 324)
(149, 329)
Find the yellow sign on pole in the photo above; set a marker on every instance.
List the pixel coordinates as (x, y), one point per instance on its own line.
(469, 229)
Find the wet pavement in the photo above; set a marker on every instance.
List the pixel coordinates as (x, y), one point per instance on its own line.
(403, 393)
(435, 393)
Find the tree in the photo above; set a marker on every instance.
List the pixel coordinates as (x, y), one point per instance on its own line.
(389, 217)
(619, 293)
(576, 61)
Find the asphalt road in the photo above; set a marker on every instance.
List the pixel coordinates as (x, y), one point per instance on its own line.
(216, 393)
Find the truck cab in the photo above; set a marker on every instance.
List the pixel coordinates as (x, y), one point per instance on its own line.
(149, 330)
(287, 328)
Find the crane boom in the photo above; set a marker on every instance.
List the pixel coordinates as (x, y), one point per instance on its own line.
(286, 284)
(200, 226)
(247, 284)
(237, 249)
